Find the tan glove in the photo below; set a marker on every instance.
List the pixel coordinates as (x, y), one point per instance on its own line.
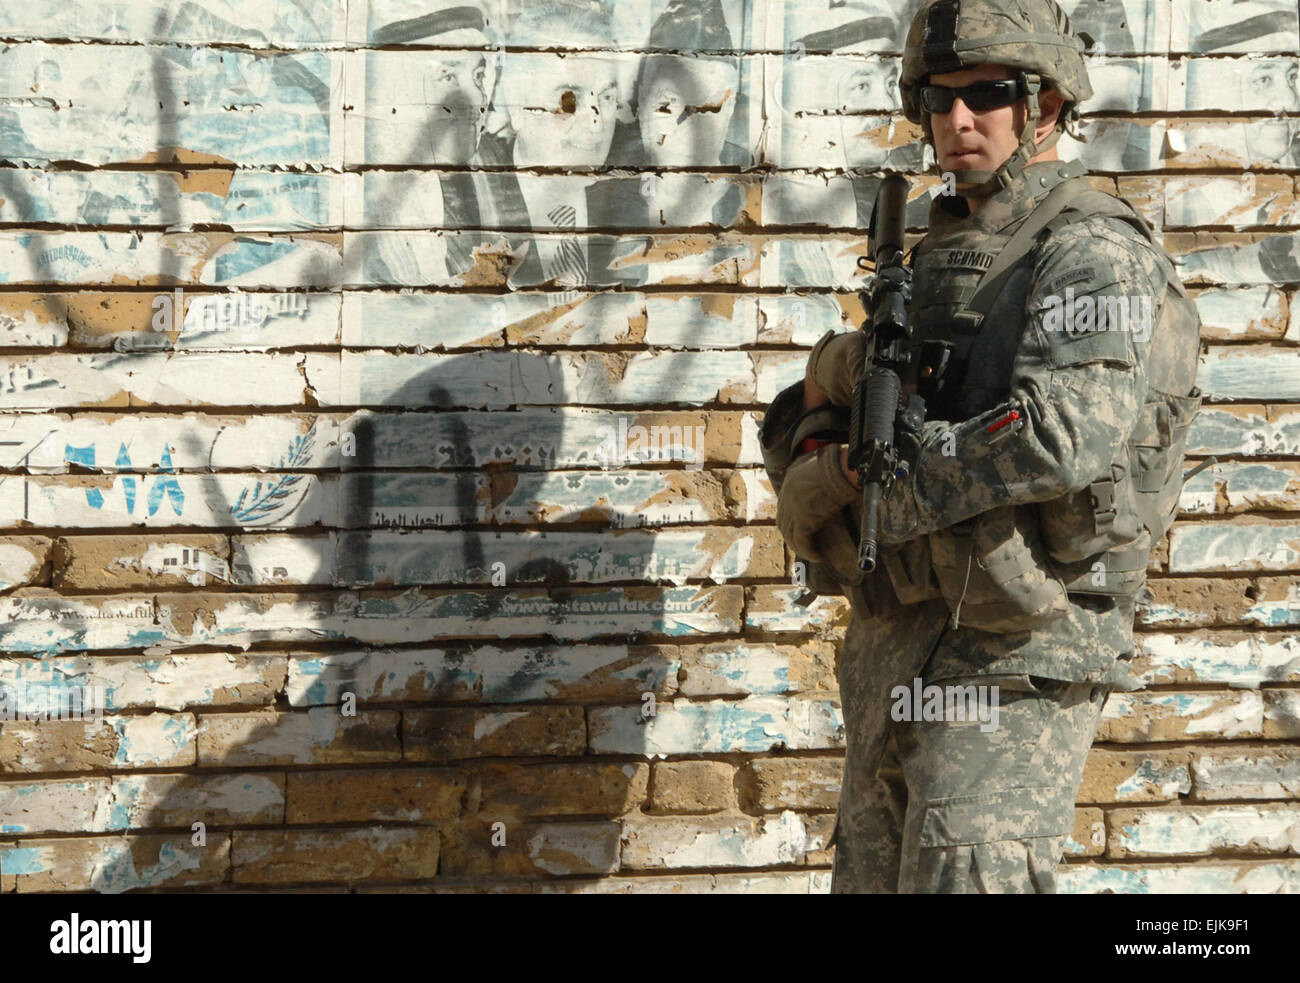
(814, 491)
(835, 363)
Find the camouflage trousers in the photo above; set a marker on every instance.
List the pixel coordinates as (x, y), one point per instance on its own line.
(953, 806)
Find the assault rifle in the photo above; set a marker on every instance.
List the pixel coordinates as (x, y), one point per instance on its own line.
(885, 437)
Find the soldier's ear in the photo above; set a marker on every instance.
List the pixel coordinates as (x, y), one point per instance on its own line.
(1050, 103)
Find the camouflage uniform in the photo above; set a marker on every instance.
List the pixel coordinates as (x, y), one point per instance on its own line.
(990, 810)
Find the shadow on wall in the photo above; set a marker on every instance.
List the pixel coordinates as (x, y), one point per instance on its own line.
(451, 625)
(479, 638)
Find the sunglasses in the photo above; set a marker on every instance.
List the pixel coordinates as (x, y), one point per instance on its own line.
(979, 97)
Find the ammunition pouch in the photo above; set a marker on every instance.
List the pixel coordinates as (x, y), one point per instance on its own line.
(908, 565)
(993, 571)
(1092, 520)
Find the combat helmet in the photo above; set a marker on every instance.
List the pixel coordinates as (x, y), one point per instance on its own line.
(1033, 38)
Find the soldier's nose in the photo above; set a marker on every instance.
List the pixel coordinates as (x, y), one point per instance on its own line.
(960, 117)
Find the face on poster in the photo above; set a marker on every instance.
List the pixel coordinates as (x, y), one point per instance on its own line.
(455, 90)
(562, 109)
(685, 108)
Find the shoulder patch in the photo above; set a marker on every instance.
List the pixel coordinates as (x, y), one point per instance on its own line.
(1095, 327)
(1077, 275)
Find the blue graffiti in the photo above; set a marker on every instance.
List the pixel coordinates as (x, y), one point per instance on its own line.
(128, 483)
(164, 482)
(168, 486)
(85, 456)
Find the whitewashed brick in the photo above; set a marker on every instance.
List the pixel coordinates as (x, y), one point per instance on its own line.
(775, 609)
(1226, 547)
(258, 201)
(113, 864)
(1231, 659)
(58, 381)
(713, 841)
(386, 618)
(1245, 430)
(1235, 486)
(1134, 776)
(21, 558)
(48, 442)
(499, 380)
(795, 882)
(287, 124)
(540, 438)
(1248, 773)
(1164, 716)
(1281, 714)
(214, 259)
(1236, 373)
(486, 673)
(1222, 878)
(1258, 144)
(104, 805)
(1242, 313)
(264, 501)
(229, 21)
(1206, 25)
(170, 682)
(574, 848)
(755, 724)
(1204, 831)
(157, 740)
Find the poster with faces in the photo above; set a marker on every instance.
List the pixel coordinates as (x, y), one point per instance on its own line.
(1122, 27)
(1259, 26)
(832, 92)
(425, 103)
(1254, 84)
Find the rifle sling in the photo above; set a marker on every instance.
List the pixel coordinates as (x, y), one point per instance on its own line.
(1022, 242)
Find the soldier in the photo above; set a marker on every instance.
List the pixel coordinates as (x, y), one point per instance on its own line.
(1049, 468)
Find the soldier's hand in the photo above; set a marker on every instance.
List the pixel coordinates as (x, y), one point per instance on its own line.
(898, 518)
(814, 491)
(835, 364)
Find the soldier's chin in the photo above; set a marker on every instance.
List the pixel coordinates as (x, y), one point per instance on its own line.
(966, 162)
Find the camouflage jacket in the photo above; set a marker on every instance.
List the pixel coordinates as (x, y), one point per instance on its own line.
(1078, 394)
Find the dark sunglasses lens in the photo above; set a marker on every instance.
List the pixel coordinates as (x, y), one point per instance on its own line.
(980, 97)
(936, 98)
(984, 96)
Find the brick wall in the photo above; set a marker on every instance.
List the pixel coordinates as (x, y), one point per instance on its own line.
(357, 532)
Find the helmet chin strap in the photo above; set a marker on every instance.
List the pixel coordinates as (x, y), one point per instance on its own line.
(990, 182)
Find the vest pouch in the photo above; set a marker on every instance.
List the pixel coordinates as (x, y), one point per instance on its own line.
(911, 571)
(907, 565)
(1101, 537)
(995, 574)
(1096, 518)
(1118, 572)
(1158, 453)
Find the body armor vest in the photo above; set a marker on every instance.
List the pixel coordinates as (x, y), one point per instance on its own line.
(1014, 566)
